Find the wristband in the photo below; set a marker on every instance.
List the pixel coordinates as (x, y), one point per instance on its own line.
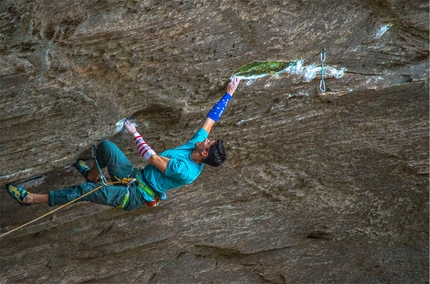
(145, 151)
(217, 110)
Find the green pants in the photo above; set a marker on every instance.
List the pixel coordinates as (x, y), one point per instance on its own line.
(110, 156)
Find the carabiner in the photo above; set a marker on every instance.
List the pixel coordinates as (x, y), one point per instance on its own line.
(323, 55)
(322, 86)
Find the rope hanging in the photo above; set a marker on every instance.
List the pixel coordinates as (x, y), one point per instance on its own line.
(127, 181)
(122, 181)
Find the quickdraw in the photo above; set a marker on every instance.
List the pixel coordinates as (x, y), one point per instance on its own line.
(323, 56)
(102, 177)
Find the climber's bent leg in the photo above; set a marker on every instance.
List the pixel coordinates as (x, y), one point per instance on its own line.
(110, 156)
(94, 173)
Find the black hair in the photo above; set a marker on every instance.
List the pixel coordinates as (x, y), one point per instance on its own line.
(217, 154)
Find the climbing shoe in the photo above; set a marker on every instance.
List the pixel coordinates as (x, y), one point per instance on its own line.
(17, 193)
(83, 169)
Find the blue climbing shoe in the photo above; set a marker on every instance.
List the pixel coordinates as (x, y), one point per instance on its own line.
(17, 193)
(82, 168)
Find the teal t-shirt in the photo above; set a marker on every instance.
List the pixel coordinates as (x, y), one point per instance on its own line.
(181, 169)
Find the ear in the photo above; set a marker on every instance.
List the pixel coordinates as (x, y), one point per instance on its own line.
(204, 154)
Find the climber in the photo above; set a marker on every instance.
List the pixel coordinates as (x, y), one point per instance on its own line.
(172, 168)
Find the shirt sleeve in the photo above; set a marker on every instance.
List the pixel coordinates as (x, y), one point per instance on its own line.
(177, 170)
(199, 136)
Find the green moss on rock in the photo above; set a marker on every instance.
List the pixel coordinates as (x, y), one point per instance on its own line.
(260, 68)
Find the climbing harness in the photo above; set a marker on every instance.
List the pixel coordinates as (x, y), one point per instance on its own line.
(142, 186)
(126, 200)
(127, 181)
(323, 56)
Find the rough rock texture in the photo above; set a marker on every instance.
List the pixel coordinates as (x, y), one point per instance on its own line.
(318, 187)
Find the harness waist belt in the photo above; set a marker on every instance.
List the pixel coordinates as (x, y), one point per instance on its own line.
(142, 186)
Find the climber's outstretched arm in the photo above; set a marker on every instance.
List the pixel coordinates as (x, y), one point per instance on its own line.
(217, 110)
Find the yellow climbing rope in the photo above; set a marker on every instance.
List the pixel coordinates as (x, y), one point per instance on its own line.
(119, 181)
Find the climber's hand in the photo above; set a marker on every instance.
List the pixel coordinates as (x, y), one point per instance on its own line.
(232, 85)
(130, 127)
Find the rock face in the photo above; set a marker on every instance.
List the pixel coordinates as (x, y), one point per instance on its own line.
(318, 187)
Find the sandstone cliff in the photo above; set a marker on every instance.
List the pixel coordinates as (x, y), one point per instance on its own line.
(318, 188)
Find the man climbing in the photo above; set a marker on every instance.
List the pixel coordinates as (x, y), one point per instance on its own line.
(173, 168)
